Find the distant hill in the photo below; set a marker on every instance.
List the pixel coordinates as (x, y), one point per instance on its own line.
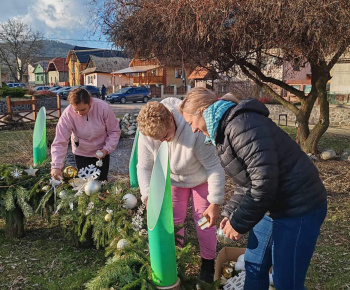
(53, 48)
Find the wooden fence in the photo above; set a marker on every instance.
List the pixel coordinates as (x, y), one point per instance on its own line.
(7, 119)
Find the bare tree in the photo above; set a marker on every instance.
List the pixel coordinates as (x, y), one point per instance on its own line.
(232, 34)
(18, 45)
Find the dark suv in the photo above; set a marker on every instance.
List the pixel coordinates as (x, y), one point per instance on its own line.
(130, 94)
(94, 91)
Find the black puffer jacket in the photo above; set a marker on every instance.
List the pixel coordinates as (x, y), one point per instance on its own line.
(272, 172)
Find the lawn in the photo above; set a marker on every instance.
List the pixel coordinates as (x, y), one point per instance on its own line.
(46, 259)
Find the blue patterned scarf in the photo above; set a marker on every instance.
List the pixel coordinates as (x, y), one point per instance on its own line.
(212, 116)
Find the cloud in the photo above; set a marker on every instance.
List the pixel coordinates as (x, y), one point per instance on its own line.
(57, 14)
(64, 20)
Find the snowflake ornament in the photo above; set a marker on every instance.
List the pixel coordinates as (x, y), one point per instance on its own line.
(236, 282)
(16, 173)
(136, 223)
(89, 171)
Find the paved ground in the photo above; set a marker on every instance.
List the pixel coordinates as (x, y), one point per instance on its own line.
(118, 109)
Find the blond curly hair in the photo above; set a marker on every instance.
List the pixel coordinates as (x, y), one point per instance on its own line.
(154, 119)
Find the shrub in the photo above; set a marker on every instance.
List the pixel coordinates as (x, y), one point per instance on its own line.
(12, 92)
(45, 94)
(265, 100)
(30, 92)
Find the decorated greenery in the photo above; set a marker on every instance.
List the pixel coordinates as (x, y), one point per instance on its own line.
(104, 216)
(20, 192)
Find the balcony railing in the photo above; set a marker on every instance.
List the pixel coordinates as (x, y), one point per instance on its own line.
(148, 80)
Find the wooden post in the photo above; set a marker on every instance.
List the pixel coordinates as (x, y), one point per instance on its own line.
(9, 107)
(34, 108)
(58, 106)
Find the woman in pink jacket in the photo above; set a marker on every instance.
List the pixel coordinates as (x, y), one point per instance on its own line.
(92, 126)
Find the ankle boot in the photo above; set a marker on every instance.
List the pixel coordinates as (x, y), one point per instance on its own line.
(207, 271)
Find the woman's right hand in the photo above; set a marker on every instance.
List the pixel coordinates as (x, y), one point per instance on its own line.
(56, 173)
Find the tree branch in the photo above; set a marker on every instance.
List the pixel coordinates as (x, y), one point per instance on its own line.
(285, 103)
(274, 81)
(338, 54)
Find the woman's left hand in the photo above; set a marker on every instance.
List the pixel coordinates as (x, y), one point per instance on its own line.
(212, 214)
(229, 230)
(104, 151)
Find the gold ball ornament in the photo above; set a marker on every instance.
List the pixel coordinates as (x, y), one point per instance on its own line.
(108, 217)
(227, 272)
(70, 172)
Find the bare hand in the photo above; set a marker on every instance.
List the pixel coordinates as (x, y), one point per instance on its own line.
(56, 173)
(229, 230)
(104, 151)
(212, 214)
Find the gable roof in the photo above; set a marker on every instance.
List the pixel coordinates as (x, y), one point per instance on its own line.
(105, 64)
(43, 64)
(83, 53)
(57, 64)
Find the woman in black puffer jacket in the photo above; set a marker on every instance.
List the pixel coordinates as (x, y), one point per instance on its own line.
(273, 176)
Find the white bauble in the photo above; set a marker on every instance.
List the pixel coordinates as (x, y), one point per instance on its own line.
(241, 258)
(99, 153)
(130, 201)
(271, 279)
(62, 194)
(240, 266)
(122, 244)
(92, 187)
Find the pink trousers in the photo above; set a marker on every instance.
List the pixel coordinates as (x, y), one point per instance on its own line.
(180, 197)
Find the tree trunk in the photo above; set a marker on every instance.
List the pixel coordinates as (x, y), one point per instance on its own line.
(307, 139)
(14, 227)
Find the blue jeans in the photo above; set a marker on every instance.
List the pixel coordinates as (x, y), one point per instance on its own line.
(287, 244)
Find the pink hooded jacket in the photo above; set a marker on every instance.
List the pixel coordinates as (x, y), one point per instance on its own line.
(97, 130)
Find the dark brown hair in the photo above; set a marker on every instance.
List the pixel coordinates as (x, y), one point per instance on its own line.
(78, 96)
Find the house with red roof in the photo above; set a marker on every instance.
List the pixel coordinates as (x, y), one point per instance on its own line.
(57, 72)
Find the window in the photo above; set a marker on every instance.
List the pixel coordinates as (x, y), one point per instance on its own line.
(178, 72)
(37, 78)
(307, 89)
(42, 78)
(296, 87)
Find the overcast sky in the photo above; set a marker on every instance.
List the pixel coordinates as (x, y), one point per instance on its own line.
(63, 20)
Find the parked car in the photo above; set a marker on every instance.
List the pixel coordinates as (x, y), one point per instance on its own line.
(94, 91)
(64, 92)
(55, 88)
(14, 85)
(41, 88)
(130, 94)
